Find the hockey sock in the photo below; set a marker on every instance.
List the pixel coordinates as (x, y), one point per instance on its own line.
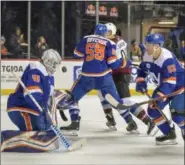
(179, 120)
(163, 125)
(140, 113)
(108, 111)
(159, 120)
(74, 114)
(126, 115)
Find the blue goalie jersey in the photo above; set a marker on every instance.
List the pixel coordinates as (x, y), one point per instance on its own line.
(99, 56)
(39, 84)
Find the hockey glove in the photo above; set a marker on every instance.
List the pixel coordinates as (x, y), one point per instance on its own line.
(141, 85)
(66, 101)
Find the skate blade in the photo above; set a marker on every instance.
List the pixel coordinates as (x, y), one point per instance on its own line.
(69, 133)
(167, 142)
(133, 132)
(112, 128)
(154, 131)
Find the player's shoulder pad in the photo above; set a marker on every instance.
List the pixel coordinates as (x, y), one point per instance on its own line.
(38, 66)
(165, 55)
(101, 37)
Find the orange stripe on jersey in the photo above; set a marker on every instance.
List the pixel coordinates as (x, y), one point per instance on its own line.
(96, 74)
(170, 78)
(27, 121)
(78, 53)
(140, 79)
(21, 109)
(33, 88)
(112, 58)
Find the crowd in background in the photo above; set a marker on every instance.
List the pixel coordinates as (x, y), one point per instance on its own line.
(46, 30)
(16, 46)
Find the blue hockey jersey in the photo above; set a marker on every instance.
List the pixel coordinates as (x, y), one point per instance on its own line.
(39, 84)
(99, 56)
(166, 71)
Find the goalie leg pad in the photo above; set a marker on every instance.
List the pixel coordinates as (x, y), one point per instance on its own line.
(29, 141)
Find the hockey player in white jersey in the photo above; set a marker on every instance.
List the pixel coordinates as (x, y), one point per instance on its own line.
(34, 133)
(121, 77)
(168, 74)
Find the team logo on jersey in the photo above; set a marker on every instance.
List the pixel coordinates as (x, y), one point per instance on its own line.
(36, 78)
(148, 65)
(76, 72)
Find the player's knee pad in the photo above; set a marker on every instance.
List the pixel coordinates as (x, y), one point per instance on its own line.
(31, 141)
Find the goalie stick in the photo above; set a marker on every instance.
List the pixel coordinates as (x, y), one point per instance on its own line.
(69, 146)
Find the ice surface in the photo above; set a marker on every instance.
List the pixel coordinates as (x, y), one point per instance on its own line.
(104, 147)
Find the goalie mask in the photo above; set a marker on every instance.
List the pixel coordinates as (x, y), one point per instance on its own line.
(51, 59)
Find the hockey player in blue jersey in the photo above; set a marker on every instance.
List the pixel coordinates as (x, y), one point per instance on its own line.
(168, 74)
(33, 134)
(99, 54)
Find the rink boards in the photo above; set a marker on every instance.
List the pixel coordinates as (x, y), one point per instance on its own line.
(65, 75)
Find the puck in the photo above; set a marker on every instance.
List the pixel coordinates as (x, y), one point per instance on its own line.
(64, 69)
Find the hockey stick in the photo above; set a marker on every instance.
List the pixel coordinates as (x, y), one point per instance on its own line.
(69, 146)
(162, 113)
(119, 106)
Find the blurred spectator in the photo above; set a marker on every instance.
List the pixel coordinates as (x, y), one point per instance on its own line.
(182, 40)
(183, 49)
(41, 46)
(4, 50)
(16, 42)
(137, 51)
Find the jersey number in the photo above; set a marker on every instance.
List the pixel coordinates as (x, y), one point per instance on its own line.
(95, 51)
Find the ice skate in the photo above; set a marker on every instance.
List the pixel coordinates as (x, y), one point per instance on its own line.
(111, 124)
(152, 128)
(72, 129)
(169, 139)
(132, 127)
